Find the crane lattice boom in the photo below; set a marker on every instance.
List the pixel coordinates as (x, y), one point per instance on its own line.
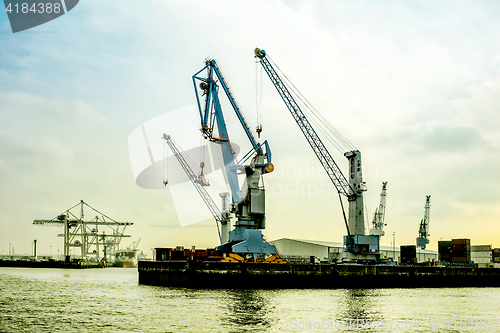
(220, 218)
(331, 168)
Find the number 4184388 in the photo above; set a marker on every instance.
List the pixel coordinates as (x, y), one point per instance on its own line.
(40, 8)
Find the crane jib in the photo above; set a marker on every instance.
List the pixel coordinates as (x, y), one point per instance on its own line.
(214, 210)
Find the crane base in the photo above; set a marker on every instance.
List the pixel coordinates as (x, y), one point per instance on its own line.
(246, 241)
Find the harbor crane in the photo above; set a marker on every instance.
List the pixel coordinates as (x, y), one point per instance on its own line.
(134, 245)
(379, 215)
(356, 241)
(248, 203)
(199, 183)
(423, 230)
(85, 235)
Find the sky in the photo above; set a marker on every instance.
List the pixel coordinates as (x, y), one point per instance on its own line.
(414, 85)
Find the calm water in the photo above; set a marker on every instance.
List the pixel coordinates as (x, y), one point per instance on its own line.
(110, 300)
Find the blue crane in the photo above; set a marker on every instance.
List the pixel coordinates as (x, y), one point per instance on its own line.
(199, 183)
(355, 241)
(248, 203)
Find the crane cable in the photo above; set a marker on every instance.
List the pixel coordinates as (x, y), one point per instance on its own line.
(316, 114)
(324, 126)
(196, 168)
(165, 161)
(258, 98)
(367, 224)
(203, 145)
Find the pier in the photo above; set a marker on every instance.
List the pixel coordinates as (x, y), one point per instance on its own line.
(210, 274)
(52, 264)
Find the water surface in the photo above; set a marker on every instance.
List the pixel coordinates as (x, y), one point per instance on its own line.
(111, 300)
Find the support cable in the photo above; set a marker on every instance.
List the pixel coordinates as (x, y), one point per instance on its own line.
(328, 129)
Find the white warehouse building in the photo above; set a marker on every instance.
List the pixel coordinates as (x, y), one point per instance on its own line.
(302, 250)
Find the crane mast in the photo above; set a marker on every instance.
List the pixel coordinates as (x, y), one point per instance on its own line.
(379, 215)
(222, 218)
(248, 203)
(423, 230)
(352, 188)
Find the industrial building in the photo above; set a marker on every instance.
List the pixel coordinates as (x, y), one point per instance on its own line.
(301, 250)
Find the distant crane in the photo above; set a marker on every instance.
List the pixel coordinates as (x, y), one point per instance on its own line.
(353, 188)
(423, 231)
(85, 235)
(134, 245)
(379, 215)
(199, 183)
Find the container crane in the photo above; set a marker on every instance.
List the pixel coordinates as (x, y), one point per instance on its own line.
(248, 203)
(379, 215)
(423, 230)
(134, 245)
(355, 241)
(220, 218)
(84, 234)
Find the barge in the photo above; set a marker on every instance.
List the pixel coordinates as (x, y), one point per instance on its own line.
(255, 275)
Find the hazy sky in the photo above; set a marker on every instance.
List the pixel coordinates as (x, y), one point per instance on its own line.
(414, 85)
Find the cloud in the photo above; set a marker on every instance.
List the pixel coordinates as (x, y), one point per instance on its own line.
(451, 139)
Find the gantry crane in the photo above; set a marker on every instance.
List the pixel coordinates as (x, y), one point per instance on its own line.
(423, 230)
(355, 241)
(379, 215)
(199, 183)
(248, 203)
(85, 235)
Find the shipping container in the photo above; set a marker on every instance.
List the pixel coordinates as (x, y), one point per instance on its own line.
(444, 251)
(460, 251)
(444, 243)
(177, 255)
(460, 247)
(162, 253)
(481, 255)
(480, 248)
(199, 255)
(460, 260)
(408, 254)
(445, 258)
(481, 260)
(461, 241)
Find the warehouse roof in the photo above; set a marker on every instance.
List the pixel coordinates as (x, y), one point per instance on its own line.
(337, 244)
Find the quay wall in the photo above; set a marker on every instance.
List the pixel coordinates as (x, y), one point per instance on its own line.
(50, 264)
(208, 274)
